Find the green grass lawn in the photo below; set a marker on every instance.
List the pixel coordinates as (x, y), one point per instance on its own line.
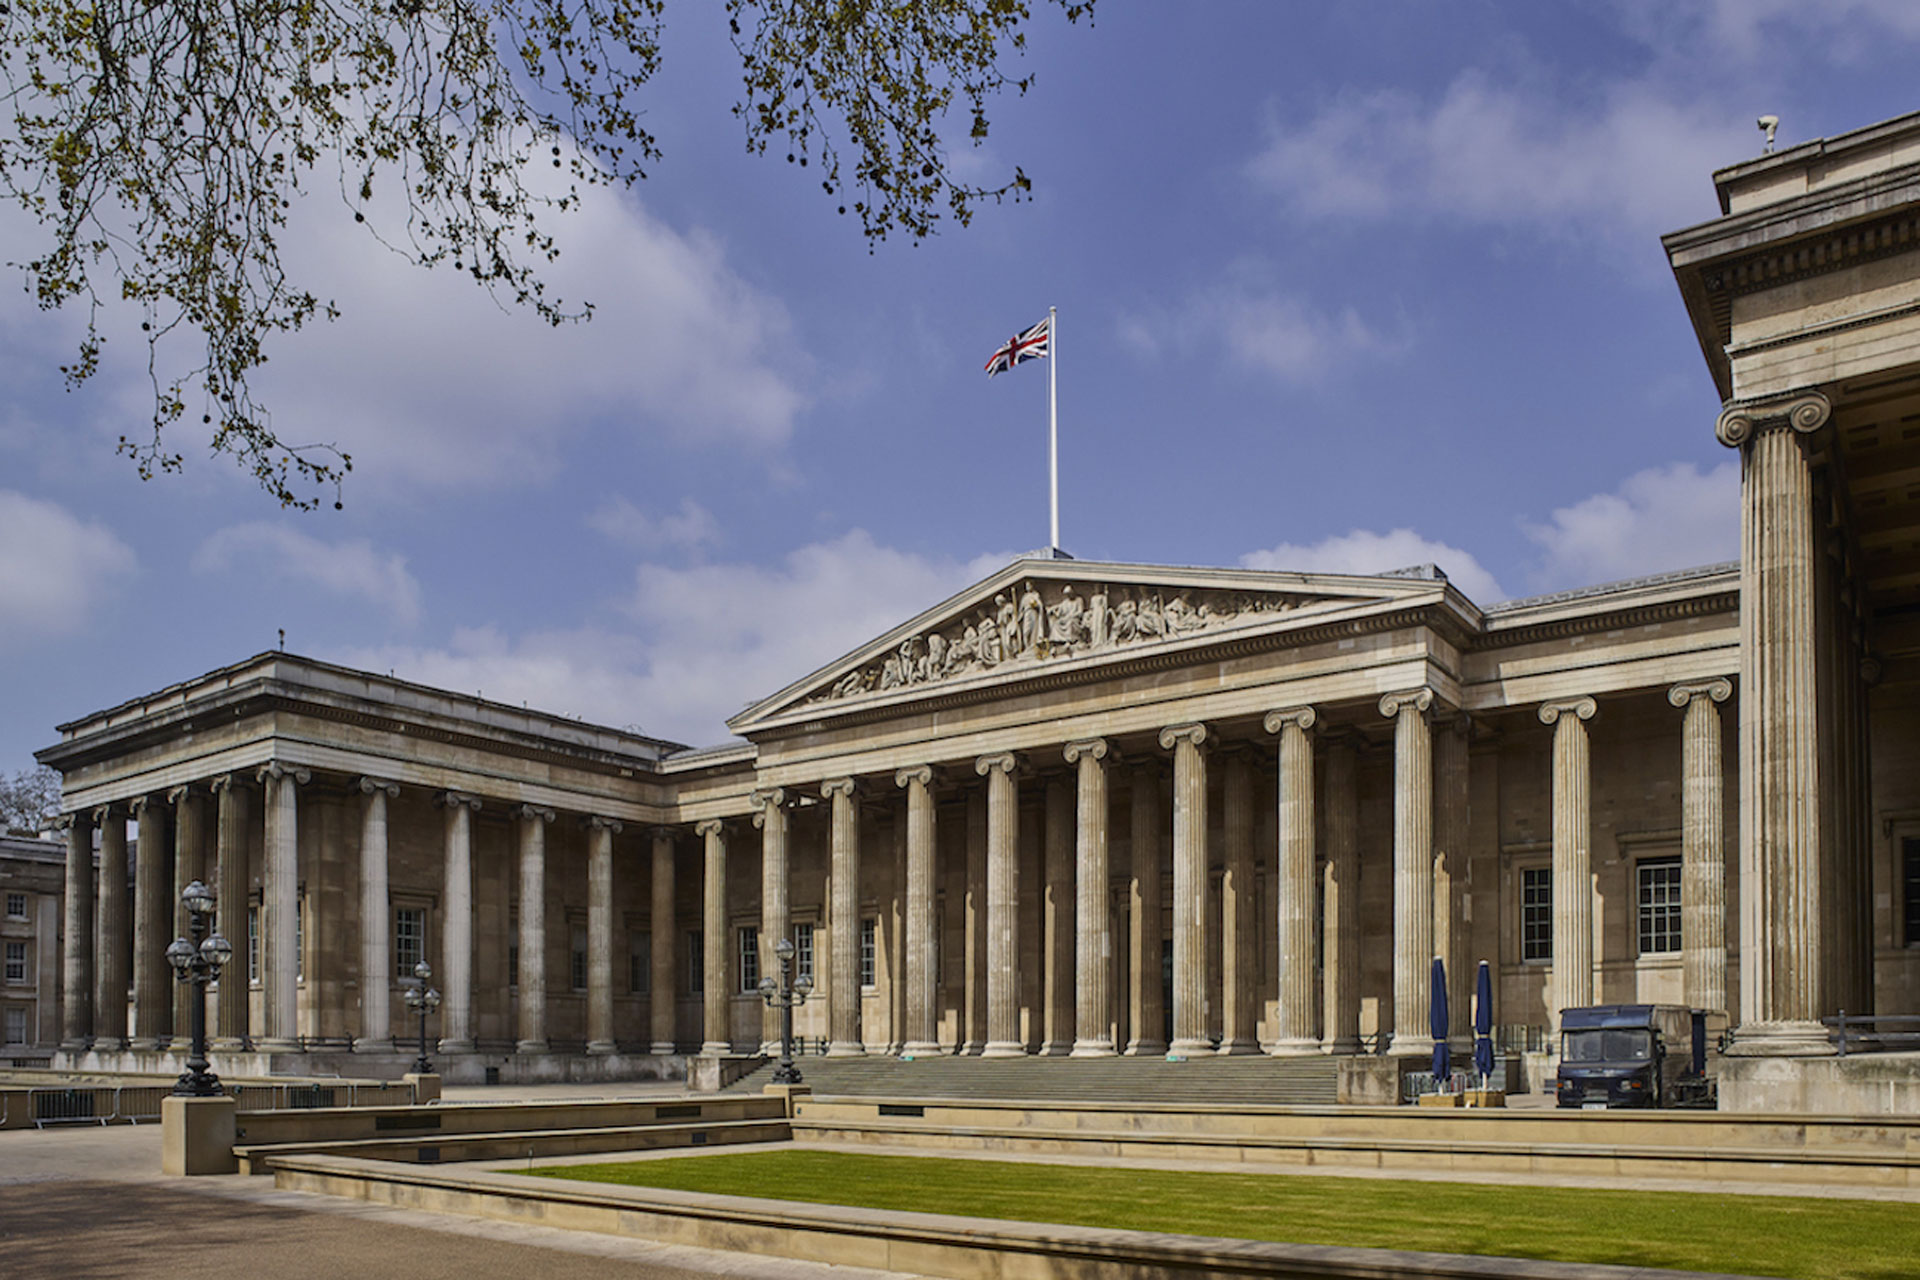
(1762, 1235)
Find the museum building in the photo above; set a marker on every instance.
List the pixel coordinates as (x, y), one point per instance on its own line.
(1094, 808)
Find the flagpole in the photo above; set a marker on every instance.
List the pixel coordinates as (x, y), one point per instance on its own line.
(1053, 419)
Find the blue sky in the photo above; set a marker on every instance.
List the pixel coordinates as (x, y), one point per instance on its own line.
(1340, 287)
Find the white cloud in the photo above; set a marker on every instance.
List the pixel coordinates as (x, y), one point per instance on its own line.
(1363, 551)
(1262, 330)
(691, 528)
(1660, 519)
(354, 569)
(1628, 165)
(54, 569)
(707, 639)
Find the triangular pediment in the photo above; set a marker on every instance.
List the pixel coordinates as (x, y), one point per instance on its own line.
(1044, 615)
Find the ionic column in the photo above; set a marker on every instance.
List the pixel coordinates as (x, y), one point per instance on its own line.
(1412, 869)
(843, 925)
(1093, 941)
(232, 825)
(1340, 922)
(975, 1003)
(665, 983)
(114, 969)
(600, 834)
(1570, 984)
(76, 973)
(717, 992)
(456, 926)
(280, 921)
(921, 1031)
(189, 844)
(1450, 873)
(533, 822)
(1783, 955)
(152, 976)
(1146, 1005)
(1703, 855)
(376, 921)
(1189, 887)
(1239, 907)
(776, 916)
(1003, 847)
(1293, 883)
(1057, 911)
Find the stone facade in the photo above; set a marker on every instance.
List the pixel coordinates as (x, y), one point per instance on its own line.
(32, 889)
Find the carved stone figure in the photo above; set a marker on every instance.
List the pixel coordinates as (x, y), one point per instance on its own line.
(965, 652)
(909, 663)
(1152, 622)
(892, 674)
(1030, 620)
(1126, 622)
(1063, 620)
(1097, 618)
(936, 656)
(1004, 620)
(991, 652)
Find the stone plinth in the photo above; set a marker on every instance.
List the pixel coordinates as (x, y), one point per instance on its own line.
(426, 1087)
(196, 1136)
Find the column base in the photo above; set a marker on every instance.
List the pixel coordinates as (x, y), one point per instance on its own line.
(1780, 1040)
(1102, 1048)
(1191, 1047)
(663, 1048)
(1341, 1046)
(1055, 1049)
(77, 1045)
(1238, 1048)
(276, 1044)
(456, 1046)
(601, 1048)
(973, 1048)
(1298, 1047)
(716, 1049)
(530, 1046)
(382, 1044)
(229, 1044)
(1004, 1049)
(921, 1049)
(143, 1044)
(1410, 1047)
(1146, 1048)
(846, 1049)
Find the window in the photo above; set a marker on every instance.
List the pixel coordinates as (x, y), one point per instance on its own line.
(253, 943)
(1910, 882)
(15, 1026)
(639, 962)
(513, 965)
(1659, 897)
(577, 955)
(16, 962)
(16, 906)
(749, 959)
(409, 939)
(803, 951)
(868, 927)
(300, 939)
(1536, 913)
(696, 963)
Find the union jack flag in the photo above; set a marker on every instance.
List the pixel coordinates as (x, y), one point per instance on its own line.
(1035, 344)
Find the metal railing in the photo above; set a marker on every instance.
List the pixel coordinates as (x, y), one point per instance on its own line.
(1872, 1033)
(1415, 1083)
(140, 1103)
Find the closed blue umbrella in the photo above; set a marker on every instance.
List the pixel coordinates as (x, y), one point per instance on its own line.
(1437, 1024)
(1483, 1023)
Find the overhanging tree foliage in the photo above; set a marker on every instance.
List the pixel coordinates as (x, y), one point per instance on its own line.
(161, 144)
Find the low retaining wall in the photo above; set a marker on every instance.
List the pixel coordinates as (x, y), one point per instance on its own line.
(917, 1243)
(453, 1068)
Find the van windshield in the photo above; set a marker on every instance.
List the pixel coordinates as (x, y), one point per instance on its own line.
(1610, 1044)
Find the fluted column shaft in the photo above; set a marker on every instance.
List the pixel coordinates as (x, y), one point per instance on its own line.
(1189, 888)
(376, 920)
(1450, 874)
(1703, 856)
(1412, 869)
(152, 994)
(843, 927)
(280, 924)
(1570, 985)
(189, 850)
(1340, 940)
(1057, 908)
(600, 834)
(532, 977)
(717, 993)
(976, 922)
(1784, 955)
(921, 1031)
(776, 913)
(664, 985)
(114, 970)
(1093, 940)
(76, 954)
(456, 926)
(1146, 996)
(232, 822)
(1003, 847)
(1293, 882)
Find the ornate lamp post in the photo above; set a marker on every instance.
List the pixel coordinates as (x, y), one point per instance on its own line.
(199, 962)
(784, 993)
(422, 999)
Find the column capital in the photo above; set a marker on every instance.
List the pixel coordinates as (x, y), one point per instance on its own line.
(1741, 420)
(368, 786)
(105, 813)
(920, 773)
(1094, 748)
(1305, 717)
(456, 800)
(1719, 689)
(534, 813)
(1003, 761)
(222, 782)
(1580, 708)
(848, 787)
(1193, 734)
(68, 821)
(1420, 699)
(767, 802)
(176, 794)
(276, 770)
(595, 822)
(136, 805)
(710, 827)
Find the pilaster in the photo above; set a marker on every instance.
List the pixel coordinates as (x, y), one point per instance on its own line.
(456, 925)
(280, 923)
(376, 920)
(1293, 883)
(232, 823)
(1003, 846)
(1189, 887)
(717, 993)
(152, 978)
(600, 834)
(1703, 855)
(1570, 985)
(1093, 942)
(921, 993)
(1412, 869)
(843, 925)
(776, 915)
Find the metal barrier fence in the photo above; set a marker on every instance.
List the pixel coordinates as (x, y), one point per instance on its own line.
(140, 1103)
(1873, 1033)
(1415, 1083)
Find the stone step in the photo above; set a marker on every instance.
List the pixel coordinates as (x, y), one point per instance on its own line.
(1249, 1080)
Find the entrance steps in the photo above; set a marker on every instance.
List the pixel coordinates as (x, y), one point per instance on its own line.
(1250, 1081)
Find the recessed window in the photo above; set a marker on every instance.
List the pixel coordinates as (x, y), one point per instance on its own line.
(869, 927)
(1536, 914)
(16, 906)
(749, 959)
(253, 944)
(803, 951)
(1910, 882)
(16, 962)
(1659, 898)
(696, 963)
(14, 1028)
(639, 962)
(577, 956)
(409, 939)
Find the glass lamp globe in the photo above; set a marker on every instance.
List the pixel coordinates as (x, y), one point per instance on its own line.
(180, 955)
(431, 999)
(198, 898)
(216, 951)
(783, 949)
(768, 987)
(423, 971)
(803, 986)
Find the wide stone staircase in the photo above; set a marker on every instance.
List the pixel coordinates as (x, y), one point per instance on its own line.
(1255, 1081)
